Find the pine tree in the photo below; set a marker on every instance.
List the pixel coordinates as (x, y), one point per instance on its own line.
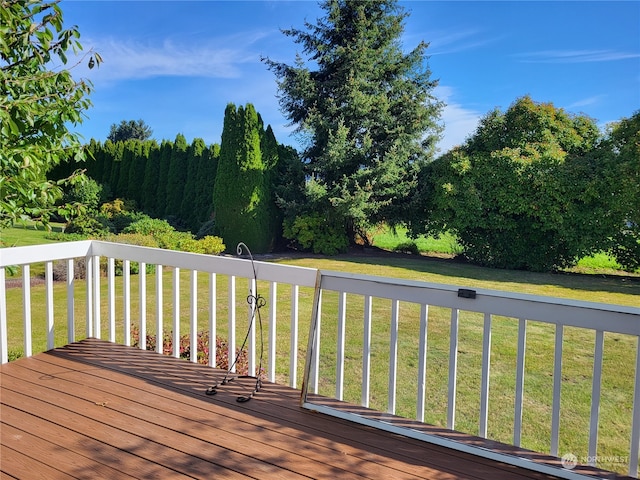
(367, 109)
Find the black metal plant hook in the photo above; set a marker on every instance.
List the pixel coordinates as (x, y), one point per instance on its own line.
(256, 302)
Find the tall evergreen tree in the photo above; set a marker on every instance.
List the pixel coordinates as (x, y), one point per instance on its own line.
(150, 182)
(366, 108)
(239, 197)
(188, 206)
(128, 158)
(117, 150)
(177, 176)
(163, 174)
(205, 182)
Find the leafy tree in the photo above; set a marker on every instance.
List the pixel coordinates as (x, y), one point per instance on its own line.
(39, 104)
(521, 192)
(239, 196)
(621, 154)
(130, 130)
(365, 109)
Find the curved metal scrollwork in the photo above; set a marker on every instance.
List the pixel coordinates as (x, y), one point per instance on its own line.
(256, 302)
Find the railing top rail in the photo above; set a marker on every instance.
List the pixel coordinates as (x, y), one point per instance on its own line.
(578, 313)
(302, 276)
(43, 253)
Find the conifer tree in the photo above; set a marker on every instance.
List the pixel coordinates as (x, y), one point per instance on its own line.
(205, 182)
(150, 182)
(177, 176)
(188, 206)
(163, 173)
(239, 197)
(366, 108)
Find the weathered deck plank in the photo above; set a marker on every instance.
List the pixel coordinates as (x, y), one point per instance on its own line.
(100, 410)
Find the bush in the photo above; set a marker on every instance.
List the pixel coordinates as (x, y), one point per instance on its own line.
(149, 226)
(314, 232)
(211, 245)
(116, 207)
(121, 221)
(87, 225)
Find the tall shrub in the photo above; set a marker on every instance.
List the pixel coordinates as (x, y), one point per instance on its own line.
(239, 196)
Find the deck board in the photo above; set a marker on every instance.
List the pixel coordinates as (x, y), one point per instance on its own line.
(99, 410)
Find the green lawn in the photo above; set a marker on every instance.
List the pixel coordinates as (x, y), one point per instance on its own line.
(578, 344)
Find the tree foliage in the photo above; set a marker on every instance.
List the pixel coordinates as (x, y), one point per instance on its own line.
(523, 192)
(365, 109)
(620, 152)
(39, 101)
(241, 196)
(130, 130)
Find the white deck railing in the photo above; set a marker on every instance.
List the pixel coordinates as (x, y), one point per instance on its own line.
(339, 295)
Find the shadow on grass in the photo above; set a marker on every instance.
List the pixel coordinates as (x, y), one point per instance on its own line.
(459, 271)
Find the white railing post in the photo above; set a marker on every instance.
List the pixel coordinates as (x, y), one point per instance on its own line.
(231, 341)
(88, 266)
(193, 317)
(126, 298)
(453, 369)
(142, 294)
(293, 340)
(48, 276)
(159, 311)
(71, 333)
(557, 382)
(176, 312)
(422, 362)
(213, 318)
(251, 321)
(486, 367)
(97, 327)
(273, 337)
(111, 294)
(393, 357)
(520, 356)
(342, 313)
(366, 352)
(26, 310)
(595, 397)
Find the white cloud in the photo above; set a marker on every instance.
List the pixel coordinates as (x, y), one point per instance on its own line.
(575, 56)
(133, 59)
(459, 122)
(584, 102)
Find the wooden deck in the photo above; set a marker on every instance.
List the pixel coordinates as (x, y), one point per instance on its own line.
(99, 410)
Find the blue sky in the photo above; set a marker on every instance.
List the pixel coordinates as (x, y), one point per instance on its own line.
(177, 64)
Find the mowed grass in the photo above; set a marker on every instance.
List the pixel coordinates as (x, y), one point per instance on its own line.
(619, 360)
(446, 244)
